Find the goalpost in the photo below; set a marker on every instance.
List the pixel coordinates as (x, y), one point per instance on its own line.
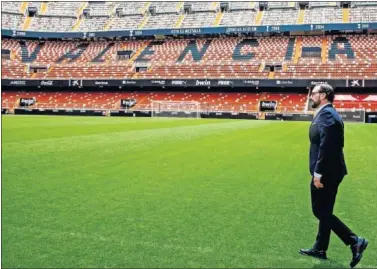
(175, 109)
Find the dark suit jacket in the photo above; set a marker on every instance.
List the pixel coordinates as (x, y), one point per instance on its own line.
(326, 145)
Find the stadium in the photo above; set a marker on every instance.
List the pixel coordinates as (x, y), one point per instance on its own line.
(175, 134)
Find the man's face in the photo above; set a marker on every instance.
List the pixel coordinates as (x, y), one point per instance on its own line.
(316, 97)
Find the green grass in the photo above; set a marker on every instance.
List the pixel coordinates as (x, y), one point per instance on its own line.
(126, 192)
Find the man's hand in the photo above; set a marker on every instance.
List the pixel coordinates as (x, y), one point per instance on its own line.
(317, 183)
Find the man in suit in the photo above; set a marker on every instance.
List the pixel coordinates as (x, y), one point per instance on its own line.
(327, 167)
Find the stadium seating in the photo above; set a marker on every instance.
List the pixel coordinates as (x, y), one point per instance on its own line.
(95, 100)
(104, 15)
(329, 71)
(132, 8)
(350, 56)
(359, 63)
(199, 19)
(302, 57)
(126, 22)
(162, 21)
(167, 7)
(313, 43)
(101, 8)
(204, 6)
(287, 102)
(63, 8)
(12, 21)
(363, 14)
(53, 24)
(209, 101)
(356, 101)
(280, 16)
(35, 4)
(239, 17)
(243, 5)
(323, 12)
(93, 24)
(11, 7)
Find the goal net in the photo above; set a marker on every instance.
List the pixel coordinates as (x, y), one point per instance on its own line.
(176, 109)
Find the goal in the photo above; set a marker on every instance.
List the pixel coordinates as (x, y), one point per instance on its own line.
(175, 109)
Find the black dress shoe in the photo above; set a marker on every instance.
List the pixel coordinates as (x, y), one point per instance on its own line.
(320, 254)
(357, 251)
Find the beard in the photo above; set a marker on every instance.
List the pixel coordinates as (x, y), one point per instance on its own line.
(315, 104)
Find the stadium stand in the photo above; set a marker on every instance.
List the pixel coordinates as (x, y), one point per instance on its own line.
(126, 22)
(323, 15)
(35, 4)
(323, 12)
(93, 24)
(11, 7)
(167, 7)
(210, 101)
(350, 56)
(162, 21)
(356, 101)
(53, 24)
(199, 19)
(101, 8)
(341, 56)
(243, 5)
(363, 14)
(12, 21)
(132, 8)
(280, 16)
(279, 13)
(239, 17)
(63, 9)
(134, 15)
(204, 6)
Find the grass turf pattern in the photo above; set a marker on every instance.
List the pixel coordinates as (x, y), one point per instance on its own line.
(141, 192)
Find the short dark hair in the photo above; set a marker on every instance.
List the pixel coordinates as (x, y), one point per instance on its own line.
(328, 90)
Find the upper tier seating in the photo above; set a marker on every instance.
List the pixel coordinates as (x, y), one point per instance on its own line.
(93, 24)
(132, 8)
(239, 17)
(243, 5)
(11, 7)
(52, 24)
(280, 16)
(62, 8)
(162, 21)
(12, 21)
(199, 19)
(167, 7)
(363, 14)
(101, 8)
(323, 15)
(107, 16)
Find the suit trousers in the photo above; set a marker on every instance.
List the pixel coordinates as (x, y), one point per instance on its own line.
(323, 201)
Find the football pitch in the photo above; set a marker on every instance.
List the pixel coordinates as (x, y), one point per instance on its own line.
(141, 192)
